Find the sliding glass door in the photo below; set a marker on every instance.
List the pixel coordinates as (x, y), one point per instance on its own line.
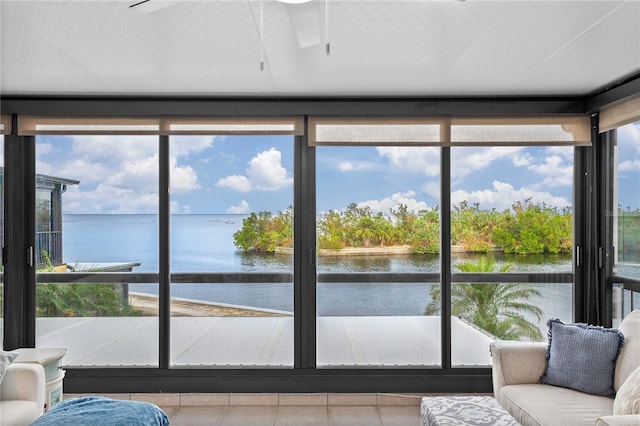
(231, 251)
(378, 236)
(512, 242)
(96, 222)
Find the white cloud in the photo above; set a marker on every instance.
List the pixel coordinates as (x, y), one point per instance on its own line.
(555, 171)
(141, 173)
(176, 208)
(630, 132)
(465, 161)
(241, 208)
(432, 189)
(118, 174)
(522, 160)
(564, 151)
(424, 160)
(43, 149)
(265, 173)
(349, 166)
(108, 149)
(629, 149)
(183, 178)
(81, 169)
(109, 200)
(629, 166)
(503, 195)
(385, 205)
(236, 182)
(182, 146)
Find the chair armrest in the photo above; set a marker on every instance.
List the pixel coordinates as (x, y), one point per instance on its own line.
(619, 420)
(514, 363)
(24, 382)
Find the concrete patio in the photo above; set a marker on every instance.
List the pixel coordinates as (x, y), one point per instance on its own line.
(403, 341)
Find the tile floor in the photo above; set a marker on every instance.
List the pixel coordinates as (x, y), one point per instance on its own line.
(283, 409)
(294, 415)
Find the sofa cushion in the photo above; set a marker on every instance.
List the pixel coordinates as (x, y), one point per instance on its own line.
(628, 359)
(582, 357)
(619, 420)
(628, 397)
(18, 413)
(6, 358)
(536, 405)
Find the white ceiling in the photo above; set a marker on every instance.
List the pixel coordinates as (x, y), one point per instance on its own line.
(377, 48)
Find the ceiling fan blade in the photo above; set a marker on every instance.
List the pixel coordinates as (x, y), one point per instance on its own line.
(148, 6)
(305, 19)
(138, 4)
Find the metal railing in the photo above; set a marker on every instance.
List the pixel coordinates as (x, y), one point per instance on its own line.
(626, 296)
(49, 242)
(262, 277)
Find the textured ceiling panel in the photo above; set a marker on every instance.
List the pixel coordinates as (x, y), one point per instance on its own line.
(414, 47)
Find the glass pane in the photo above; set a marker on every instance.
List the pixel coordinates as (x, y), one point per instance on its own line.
(511, 212)
(97, 204)
(625, 301)
(377, 213)
(627, 193)
(231, 201)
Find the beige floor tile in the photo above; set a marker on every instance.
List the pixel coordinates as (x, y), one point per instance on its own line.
(250, 416)
(161, 399)
(399, 415)
(353, 416)
(302, 399)
(302, 416)
(196, 399)
(352, 399)
(196, 416)
(253, 399)
(399, 399)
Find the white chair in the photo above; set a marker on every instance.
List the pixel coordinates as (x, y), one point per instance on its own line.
(22, 394)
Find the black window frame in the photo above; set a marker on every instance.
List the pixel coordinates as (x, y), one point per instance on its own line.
(19, 277)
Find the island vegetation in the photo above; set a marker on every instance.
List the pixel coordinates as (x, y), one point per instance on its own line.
(526, 228)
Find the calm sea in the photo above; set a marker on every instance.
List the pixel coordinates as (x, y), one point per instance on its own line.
(204, 243)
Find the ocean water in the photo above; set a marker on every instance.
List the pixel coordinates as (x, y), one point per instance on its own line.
(204, 243)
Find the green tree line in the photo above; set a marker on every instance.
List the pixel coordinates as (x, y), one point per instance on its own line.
(628, 234)
(526, 228)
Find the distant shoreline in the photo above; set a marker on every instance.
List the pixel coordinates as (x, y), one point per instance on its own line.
(377, 251)
(148, 305)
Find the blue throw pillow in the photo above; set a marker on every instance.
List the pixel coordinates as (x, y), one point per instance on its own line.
(101, 411)
(582, 357)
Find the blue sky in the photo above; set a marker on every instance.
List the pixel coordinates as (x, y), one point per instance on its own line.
(255, 173)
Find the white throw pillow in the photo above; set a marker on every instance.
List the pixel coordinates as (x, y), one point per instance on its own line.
(628, 397)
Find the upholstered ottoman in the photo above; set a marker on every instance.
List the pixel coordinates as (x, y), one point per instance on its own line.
(464, 410)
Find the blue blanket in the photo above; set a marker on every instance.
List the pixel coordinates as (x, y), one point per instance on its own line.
(101, 411)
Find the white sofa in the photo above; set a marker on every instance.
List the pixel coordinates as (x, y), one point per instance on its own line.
(22, 394)
(517, 367)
